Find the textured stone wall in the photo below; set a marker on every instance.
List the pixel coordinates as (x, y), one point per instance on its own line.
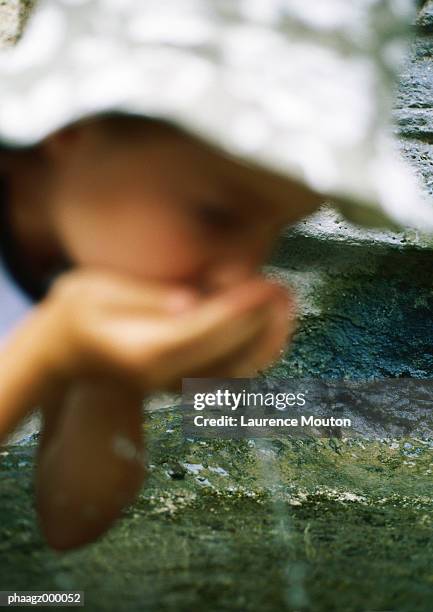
(366, 296)
(413, 109)
(13, 15)
(9, 21)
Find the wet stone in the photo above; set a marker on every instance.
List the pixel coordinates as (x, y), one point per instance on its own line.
(13, 16)
(176, 471)
(425, 17)
(259, 531)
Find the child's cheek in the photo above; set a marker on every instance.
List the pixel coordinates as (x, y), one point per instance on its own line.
(148, 238)
(170, 254)
(166, 247)
(150, 250)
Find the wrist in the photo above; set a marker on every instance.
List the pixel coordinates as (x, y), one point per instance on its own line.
(28, 369)
(39, 343)
(53, 351)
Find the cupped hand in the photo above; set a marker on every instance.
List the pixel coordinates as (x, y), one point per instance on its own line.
(153, 335)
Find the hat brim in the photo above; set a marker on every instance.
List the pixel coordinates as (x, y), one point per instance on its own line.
(295, 93)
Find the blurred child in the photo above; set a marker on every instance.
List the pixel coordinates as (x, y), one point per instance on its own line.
(130, 250)
(136, 250)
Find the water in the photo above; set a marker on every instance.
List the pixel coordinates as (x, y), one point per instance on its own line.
(294, 573)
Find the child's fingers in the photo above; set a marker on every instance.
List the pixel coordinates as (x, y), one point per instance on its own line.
(222, 328)
(154, 299)
(214, 313)
(117, 293)
(263, 349)
(267, 349)
(183, 360)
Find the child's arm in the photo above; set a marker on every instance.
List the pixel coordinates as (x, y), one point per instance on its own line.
(25, 372)
(88, 355)
(95, 324)
(91, 460)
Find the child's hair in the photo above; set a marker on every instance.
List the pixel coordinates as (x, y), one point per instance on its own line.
(119, 124)
(116, 124)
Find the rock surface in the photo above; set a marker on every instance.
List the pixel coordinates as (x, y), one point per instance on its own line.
(263, 526)
(425, 17)
(13, 16)
(9, 21)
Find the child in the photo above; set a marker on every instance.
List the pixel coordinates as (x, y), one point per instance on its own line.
(159, 239)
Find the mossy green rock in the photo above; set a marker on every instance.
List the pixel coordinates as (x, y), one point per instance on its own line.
(244, 525)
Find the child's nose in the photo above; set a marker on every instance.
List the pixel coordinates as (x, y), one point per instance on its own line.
(241, 261)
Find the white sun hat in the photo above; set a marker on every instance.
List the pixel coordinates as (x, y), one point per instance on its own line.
(300, 88)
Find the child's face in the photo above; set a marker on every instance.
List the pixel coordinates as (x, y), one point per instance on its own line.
(163, 208)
